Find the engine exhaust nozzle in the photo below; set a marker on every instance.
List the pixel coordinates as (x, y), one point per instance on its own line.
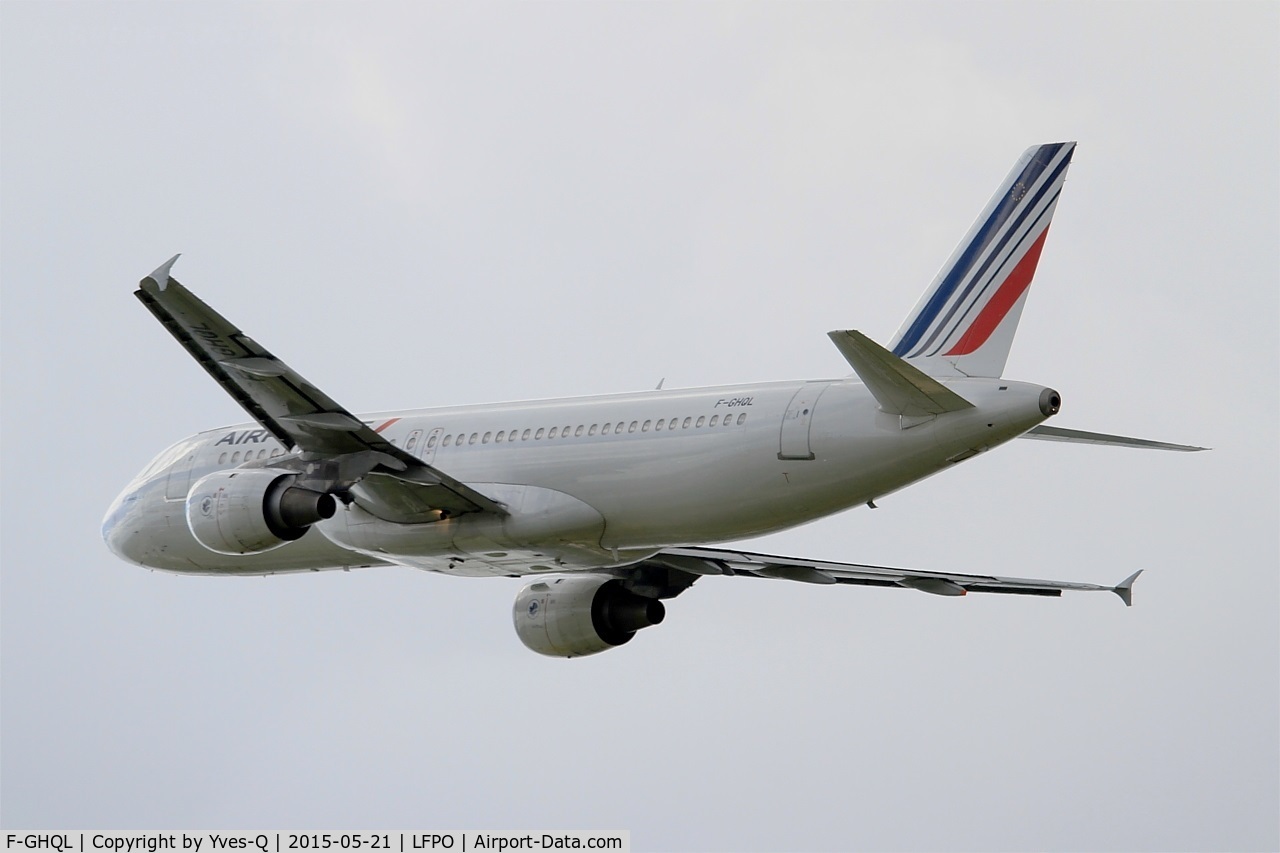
(1050, 402)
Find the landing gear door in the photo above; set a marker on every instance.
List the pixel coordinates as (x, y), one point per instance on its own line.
(793, 442)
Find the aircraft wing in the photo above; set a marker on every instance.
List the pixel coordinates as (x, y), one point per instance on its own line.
(704, 561)
(336, 447)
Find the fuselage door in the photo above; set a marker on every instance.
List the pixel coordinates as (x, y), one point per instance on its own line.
(427, 453)
(412, 443)
(794, 440)
(179, 482)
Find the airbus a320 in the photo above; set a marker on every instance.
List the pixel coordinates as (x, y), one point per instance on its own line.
(611, 505)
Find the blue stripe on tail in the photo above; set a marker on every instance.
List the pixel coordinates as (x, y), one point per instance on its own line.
(996, 221)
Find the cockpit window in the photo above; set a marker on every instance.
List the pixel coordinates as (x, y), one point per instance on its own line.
(163, 461)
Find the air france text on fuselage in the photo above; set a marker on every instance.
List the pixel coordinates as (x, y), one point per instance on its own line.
(246, 436)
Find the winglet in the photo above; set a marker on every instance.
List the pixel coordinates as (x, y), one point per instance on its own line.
(1124, 589)
(160, 278)
(899, 387)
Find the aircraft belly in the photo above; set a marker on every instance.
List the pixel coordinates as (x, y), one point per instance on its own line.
(543, 529)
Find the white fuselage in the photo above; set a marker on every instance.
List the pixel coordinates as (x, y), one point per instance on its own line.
(593, 481)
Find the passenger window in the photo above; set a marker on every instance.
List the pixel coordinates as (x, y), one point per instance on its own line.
(728, 419)
(673, 424)
(431, 442)
(564, 433)
(701, 420)
(715, 419)
(474, 437)
(277, 452)
(540, 433)
(487, 436)
(524, 436)
(686, 423)
(593, 429)
(577, 432)
(553, 432)
(262, 454)
(412, 442)
(658, 426)
(222, 458)
(633, 426)
(235, 457)
(498, 438)
(742, 419)
(605, 429)
(646, 426)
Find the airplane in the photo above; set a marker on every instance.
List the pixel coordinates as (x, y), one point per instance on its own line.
(610, 505)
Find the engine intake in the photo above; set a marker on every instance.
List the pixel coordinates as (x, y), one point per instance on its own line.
(251, 511)
(576, 616)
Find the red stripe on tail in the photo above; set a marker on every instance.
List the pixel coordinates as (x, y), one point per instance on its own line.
(1014, 286)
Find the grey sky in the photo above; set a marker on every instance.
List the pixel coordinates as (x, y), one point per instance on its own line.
(462, 203)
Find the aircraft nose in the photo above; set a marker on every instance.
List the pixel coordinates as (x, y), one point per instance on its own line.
(119, 530)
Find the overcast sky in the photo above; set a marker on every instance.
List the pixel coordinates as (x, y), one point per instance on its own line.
(432, 205)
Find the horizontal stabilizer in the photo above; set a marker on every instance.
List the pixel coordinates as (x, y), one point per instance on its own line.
(900, 388)
(1076, 436)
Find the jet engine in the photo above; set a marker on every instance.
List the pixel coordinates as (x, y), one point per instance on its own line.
(575, 616)
(254, 510)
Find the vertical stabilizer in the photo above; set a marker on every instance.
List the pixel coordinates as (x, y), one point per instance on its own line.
(965, 322)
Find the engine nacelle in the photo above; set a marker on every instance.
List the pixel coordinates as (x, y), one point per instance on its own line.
(575, 616)
(254, 510)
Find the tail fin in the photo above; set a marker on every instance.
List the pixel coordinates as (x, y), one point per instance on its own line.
(965, 322)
